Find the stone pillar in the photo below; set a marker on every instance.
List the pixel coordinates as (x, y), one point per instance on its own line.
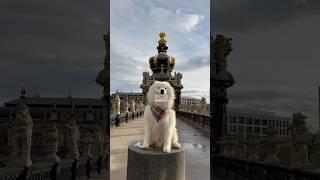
(155, 164)
(21, 137)
(52, 143)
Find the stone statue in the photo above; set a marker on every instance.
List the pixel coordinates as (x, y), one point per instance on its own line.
(86, 144)
(132, 105)
(97, 142)
(72, 129)
(117, 104)
(252, 146)
(299, 134)
(126, 104)
(21, 137)
(52, 139)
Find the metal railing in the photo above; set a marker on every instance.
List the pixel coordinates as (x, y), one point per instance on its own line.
(67, 169)
(123, 117)
(199, 120)
(231, 168)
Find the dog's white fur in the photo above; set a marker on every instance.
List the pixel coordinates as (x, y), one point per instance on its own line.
(163, 133)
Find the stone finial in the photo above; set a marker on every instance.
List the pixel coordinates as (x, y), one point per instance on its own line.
(52, 139)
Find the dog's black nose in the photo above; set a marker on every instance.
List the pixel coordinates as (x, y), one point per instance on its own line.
(162, 91)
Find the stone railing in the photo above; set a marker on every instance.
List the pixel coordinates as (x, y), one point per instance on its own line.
(122, 117)
(67, 169)
(230, 168)
(198, 120)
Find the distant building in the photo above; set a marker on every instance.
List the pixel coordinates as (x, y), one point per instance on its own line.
(136, 96)
(188, 100)
(243, 122)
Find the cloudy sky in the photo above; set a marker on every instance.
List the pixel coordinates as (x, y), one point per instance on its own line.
(134, 27)
(275, 61)
(51, 47)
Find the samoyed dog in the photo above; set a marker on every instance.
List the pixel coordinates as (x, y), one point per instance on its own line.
(160, 118)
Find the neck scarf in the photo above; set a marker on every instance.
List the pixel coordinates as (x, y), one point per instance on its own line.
(158, 112)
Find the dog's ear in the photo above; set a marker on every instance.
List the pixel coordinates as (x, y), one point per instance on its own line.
(150, 93)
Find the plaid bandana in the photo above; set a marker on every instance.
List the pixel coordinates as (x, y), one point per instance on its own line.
(158, 112)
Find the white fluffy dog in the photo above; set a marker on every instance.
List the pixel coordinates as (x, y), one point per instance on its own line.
(160, 118)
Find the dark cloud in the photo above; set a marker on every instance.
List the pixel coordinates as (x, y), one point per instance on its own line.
(235, 16)
(275, 57)
(51, 47)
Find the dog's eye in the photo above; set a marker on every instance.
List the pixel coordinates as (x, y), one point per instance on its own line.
(165, 88)
(158, 87)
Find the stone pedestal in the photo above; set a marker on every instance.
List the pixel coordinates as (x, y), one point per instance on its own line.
(155, 164)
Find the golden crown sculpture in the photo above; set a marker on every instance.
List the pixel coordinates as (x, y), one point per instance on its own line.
(162, 38)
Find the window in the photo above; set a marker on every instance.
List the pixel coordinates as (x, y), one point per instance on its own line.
(257, 121)
(257, 130)
(240, 120)
(264, 122)
(249, 120)
(249, 129)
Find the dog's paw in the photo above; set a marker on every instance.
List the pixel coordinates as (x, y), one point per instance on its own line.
(145, 146)
(176, 145)
(166, 149)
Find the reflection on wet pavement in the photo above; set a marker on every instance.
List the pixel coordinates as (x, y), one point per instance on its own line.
(196, 144)
(197, 151)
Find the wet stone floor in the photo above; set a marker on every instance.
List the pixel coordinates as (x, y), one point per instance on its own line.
(196, 144)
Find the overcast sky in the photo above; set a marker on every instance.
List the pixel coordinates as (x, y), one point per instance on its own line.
(55, 46)
(135, 25)
(275, 61)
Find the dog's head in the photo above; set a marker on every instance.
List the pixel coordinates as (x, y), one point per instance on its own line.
(162, 90)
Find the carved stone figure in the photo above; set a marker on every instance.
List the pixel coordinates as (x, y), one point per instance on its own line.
(126, 104)
(299, 133)
(52, 139)
(117, 104)
(132, 105)
(86, 144)
(73, 136)
(21, 137)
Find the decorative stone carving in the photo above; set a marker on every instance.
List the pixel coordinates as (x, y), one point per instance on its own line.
(126, 104)
(86, 144)
(51, 143)
(132, 105)
(21, 137)
(299, 134)
(97, 142)
(73, 136)
(117, 104)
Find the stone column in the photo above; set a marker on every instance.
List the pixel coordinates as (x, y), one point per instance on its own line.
(155, 164)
